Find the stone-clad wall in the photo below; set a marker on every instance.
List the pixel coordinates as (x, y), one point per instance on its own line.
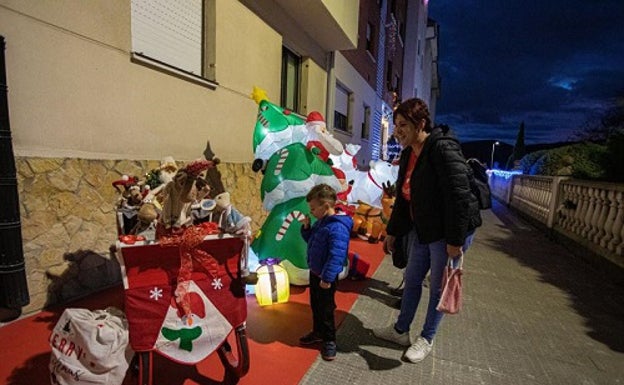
(68, 221)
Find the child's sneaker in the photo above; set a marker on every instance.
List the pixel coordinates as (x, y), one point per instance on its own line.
(310, 338)
(328, 350)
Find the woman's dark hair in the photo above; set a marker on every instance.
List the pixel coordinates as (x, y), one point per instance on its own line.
(414, 110)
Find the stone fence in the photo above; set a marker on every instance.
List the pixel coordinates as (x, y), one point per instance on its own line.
(590, 214)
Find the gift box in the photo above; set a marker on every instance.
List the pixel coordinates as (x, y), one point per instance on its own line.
(357, 266)
(273, 285)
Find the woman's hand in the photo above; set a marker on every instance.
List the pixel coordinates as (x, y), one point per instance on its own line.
(454, 251)
(324, 285)
(388, 245)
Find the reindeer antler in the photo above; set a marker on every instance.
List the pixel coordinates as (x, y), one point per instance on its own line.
(389, 189)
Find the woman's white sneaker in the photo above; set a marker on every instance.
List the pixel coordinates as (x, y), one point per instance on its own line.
(419, 350)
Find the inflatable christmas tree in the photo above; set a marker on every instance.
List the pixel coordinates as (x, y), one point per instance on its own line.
(289, 151)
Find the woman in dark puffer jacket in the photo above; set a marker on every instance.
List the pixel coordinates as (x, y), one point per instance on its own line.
(436, 212)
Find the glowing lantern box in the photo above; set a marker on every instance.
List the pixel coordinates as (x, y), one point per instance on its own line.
(273, 286)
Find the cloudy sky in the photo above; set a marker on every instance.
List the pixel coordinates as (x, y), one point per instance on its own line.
(554, 64)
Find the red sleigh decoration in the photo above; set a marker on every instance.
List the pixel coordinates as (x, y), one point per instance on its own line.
(199, 322)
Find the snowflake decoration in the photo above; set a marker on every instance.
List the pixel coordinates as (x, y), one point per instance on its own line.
(156, 293)
(217, 284)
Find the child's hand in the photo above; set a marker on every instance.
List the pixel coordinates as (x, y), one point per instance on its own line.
(324, 285)
(305, 221)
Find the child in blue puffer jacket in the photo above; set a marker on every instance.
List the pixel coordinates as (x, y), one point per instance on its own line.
(328, 243)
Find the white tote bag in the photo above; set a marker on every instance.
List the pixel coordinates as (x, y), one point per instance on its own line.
(90, 347)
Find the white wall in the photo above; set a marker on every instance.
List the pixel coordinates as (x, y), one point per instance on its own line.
(362, 94)
(73, 91)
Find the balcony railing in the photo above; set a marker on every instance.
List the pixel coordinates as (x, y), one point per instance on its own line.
(589, 213)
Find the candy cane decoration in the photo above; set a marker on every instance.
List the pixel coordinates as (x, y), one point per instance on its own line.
(281, 161)
(263, 120)
(296, 214)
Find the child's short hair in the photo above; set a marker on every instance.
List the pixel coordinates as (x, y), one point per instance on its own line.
(324, 193)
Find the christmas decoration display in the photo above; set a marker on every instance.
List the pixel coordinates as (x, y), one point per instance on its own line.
(275, 128)
(346, 161)
(201, 240)
(280, 237)
(293, 155)
(368, 185)
(179, 195)
(273, 286)
(157, 180)
(292, 172)
(319, 137)
(183, 328)
(369, 222)
(128, 203)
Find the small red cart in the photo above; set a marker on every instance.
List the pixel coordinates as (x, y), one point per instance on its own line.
(215, 306)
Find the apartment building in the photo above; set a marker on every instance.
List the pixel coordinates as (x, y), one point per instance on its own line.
(396, 59)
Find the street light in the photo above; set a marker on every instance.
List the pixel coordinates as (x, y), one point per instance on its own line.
(492, 156)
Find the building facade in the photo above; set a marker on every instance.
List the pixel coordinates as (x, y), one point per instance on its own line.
(395, 59)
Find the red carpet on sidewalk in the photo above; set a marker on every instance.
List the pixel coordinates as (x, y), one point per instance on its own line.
(273, 333)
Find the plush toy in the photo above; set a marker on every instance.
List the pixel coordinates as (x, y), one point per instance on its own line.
(232, 221)
(179, 195)
(228, 218)
(158, 179)
(146, 221)
(128, 203)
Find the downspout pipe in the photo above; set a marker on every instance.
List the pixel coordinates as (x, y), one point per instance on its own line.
(330, 99)
(13, 285)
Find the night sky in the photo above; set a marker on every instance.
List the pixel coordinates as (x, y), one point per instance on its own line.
(554, 64)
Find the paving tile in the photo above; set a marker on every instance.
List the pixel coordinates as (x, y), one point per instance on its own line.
(533, 314)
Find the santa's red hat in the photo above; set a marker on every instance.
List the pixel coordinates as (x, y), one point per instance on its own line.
(339, 173)
(315, 116)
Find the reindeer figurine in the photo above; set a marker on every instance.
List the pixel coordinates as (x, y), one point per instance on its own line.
(387, 204)
(369, 222)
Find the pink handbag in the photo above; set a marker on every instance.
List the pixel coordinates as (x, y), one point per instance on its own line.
(451, 299)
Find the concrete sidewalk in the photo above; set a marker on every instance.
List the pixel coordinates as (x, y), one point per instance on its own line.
(533, 314)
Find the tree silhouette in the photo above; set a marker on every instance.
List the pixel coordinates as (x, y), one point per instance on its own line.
(600, 128)
(519, 149)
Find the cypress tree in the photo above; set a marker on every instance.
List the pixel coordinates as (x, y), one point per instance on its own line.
(519, 149)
